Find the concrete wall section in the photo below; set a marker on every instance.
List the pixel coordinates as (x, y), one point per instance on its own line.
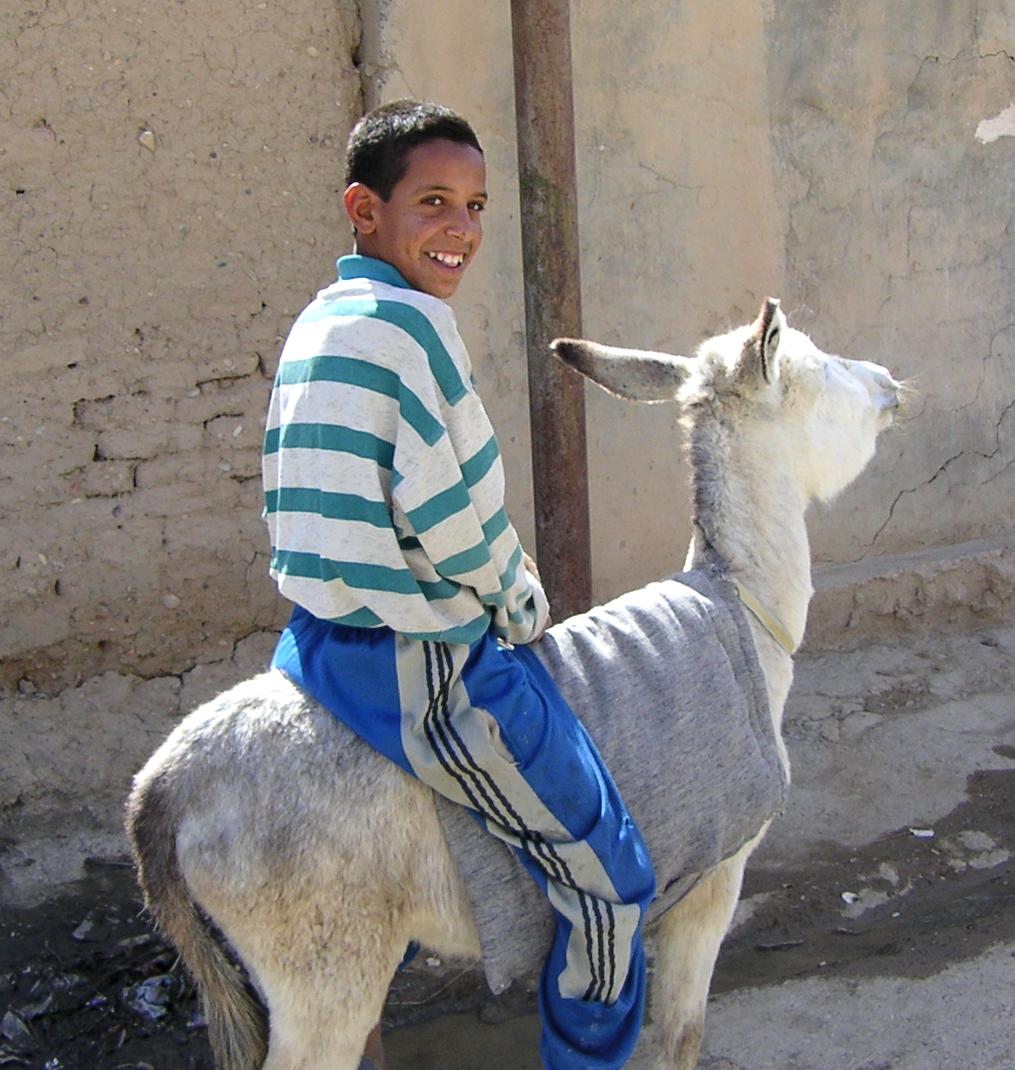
(681, 239)
(169, 188)
(853, 159)
(899, 246)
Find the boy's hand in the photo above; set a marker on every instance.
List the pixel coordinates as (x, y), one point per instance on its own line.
(530, 566)
(533, 570)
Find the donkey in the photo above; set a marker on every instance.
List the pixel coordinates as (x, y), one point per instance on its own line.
(318, 860)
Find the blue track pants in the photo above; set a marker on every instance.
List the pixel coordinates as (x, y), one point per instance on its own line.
(485, 726)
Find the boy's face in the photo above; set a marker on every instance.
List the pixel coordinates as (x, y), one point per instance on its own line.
(429, 228)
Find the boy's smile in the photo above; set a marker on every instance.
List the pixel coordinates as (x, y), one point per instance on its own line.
(429, 228)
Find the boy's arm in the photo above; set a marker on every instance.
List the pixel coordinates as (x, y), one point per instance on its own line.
(530, 566)
(464, 531)
(449, 489)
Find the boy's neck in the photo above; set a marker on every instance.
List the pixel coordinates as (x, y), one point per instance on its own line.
(359, 265)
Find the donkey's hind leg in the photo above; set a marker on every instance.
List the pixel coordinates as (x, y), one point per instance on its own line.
(308, 1033)
(687, 944)
(321, 957)
(322, 1009)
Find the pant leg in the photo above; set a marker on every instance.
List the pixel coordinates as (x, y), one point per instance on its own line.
(485, 727)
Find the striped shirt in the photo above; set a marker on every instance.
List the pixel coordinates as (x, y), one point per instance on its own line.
(383, 482)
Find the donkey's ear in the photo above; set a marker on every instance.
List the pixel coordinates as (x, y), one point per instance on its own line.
(634, 374)
(762, 349)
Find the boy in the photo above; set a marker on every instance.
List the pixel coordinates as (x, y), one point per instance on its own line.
(384, 495)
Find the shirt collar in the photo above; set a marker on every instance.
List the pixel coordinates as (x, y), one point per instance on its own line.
(356, 266)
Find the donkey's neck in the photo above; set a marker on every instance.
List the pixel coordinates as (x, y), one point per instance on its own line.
(749, 524)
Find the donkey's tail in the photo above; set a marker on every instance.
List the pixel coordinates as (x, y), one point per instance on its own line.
(237, 1022)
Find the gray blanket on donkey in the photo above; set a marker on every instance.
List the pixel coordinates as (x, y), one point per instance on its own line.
(667, 682)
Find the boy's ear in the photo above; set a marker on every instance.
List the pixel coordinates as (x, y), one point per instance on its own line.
(360, 206)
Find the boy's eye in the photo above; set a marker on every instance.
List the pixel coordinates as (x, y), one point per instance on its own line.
(477, 206)
(434, 199)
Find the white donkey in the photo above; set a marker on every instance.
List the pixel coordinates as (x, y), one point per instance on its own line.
(319, 860)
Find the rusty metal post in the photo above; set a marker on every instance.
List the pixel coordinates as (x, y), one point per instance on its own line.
(544, 109)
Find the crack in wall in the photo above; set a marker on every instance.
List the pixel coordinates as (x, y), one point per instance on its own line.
(359, 63)
(982, 382)
(947, 464)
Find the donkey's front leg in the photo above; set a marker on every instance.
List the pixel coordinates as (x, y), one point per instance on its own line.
(687, 944)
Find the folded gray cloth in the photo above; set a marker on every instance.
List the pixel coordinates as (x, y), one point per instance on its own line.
(667, 682)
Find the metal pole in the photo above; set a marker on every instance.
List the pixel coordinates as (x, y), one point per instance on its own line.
(544, 110)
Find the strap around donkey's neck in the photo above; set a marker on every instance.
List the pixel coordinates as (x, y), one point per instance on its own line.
(768, 621)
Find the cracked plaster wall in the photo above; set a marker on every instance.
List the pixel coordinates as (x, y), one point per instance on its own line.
(832, 154)
(900, 239)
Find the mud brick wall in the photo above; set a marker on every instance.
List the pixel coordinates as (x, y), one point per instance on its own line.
(168, 178)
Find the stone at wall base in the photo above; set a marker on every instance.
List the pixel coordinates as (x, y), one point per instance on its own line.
(971, 585)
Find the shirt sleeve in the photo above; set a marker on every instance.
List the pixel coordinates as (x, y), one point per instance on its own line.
(449, 501)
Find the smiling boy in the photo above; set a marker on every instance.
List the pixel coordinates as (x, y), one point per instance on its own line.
(429, 227)
(384, 496)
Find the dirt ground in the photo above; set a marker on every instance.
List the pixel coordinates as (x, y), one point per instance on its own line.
(85, 984)
(115, 998)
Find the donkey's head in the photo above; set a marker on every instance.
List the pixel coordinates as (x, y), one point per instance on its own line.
(768, 390)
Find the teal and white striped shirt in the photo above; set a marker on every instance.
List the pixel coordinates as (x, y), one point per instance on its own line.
(383, 482)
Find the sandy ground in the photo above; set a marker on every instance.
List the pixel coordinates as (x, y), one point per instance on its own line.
(876, 932)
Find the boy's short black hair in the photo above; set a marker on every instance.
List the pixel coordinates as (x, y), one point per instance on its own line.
(381, 140)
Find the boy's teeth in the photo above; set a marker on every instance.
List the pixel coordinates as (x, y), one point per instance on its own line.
(451, 259)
